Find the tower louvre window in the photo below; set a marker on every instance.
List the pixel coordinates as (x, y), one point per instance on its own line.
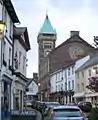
(48, 46)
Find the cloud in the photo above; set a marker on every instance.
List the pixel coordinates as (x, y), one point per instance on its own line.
(65, 15)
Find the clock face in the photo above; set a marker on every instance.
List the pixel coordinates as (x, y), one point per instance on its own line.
(75, 52)
(47, 52)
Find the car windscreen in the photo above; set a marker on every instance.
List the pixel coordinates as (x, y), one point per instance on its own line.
(67, 112)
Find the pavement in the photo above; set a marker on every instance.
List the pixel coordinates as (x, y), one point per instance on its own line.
(39, 116)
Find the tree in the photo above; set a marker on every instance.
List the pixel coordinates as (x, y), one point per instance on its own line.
(93, 84)
(93, 81)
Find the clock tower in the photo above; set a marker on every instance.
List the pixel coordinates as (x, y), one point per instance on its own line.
(46, 41)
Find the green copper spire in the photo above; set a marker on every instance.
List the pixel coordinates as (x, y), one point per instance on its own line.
(47, 27)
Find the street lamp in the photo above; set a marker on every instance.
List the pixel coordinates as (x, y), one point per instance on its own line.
(2, 29)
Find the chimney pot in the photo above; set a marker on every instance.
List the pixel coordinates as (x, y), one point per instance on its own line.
(35, 75)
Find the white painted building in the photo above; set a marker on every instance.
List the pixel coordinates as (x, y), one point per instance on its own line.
(63, 82)
(9, 17)
(88, 71)
(31, 94)
(21, 47)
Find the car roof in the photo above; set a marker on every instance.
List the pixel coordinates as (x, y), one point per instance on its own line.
(66, 107)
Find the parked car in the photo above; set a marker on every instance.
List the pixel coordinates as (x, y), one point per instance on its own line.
(66, 113)
(50, 106)
(85, 106)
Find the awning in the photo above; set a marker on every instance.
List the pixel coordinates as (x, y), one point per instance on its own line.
(30, 93)
(78, 95)
(92, 94)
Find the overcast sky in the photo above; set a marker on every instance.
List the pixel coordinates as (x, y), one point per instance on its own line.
(65, 15)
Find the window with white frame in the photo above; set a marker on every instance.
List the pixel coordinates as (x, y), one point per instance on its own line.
(78, 87)
(68, 71)
(73, 84)
(82, 86)
(9, 56)
(82, 73)
(65, 86)
(68, 85)
(4, 50)
(11, 26)
(78, 75)
(56, 77)
(62, 75)
(24, 59)
(72, 70)
(59, 76)
(95, 70)
(89, 72)
(5, 18)
(20, 55)
(61, 87)
(56, 88)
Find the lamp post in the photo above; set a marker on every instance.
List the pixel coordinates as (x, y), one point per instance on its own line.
(2, 29)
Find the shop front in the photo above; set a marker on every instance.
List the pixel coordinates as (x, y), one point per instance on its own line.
(6, 97)
(79, 97)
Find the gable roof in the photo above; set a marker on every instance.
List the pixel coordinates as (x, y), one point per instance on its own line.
(47, 27)
(75, 38)
(18, 32)
(60, 56)
(30, 81)
(89, 63)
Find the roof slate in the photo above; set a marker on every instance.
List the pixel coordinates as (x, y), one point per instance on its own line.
(18, 31)
(89, 63)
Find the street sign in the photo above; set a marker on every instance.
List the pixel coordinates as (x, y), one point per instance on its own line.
(24, 112)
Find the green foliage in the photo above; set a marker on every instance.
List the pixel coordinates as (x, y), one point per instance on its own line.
(94, 114)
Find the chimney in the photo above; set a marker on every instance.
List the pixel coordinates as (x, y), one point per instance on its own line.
(35, 76)
(74, 33)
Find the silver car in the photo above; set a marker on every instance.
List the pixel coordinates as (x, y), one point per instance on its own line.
(66, 113)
